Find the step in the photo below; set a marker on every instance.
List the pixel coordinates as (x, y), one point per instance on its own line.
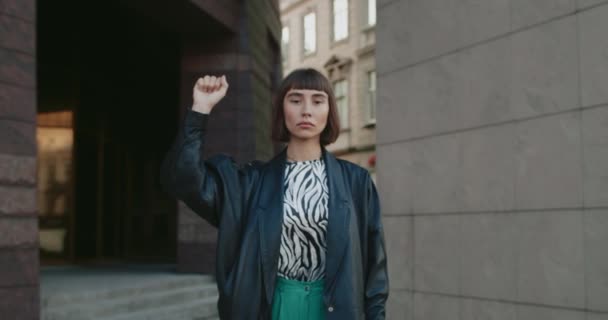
(119, 305)
(54, 299)
(204, 309)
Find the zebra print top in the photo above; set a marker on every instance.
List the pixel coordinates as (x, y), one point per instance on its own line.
(303, 243)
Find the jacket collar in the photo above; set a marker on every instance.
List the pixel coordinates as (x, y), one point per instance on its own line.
(271, 219)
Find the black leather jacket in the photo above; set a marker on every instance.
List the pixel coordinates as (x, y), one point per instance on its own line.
(245, 204)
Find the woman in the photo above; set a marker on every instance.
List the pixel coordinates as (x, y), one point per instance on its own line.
(299, 237)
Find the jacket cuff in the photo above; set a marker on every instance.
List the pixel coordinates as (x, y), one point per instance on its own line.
(196, 119)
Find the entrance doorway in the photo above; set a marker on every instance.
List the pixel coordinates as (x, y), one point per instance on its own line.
(108, 91)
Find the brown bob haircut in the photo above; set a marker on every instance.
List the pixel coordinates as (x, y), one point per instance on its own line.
(307, 79)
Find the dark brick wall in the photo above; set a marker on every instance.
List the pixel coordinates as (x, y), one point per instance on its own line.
(263, 40)
(19, 266)
(239, 125)
(225, 12)
(228, 126)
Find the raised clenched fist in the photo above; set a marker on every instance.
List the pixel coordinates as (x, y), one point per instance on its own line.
(207, 92)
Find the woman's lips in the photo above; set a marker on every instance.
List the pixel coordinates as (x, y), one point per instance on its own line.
(305, 125)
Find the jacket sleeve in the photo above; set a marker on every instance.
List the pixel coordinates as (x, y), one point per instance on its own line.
(376, 281)
(204, 186)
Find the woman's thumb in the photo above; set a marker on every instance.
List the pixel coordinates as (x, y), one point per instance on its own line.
(224, 82)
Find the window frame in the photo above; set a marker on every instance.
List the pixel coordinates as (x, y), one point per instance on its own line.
(345, 115)
(333, 22)
(285, 46)
(304, 52)
(366, 18)
(371, 106)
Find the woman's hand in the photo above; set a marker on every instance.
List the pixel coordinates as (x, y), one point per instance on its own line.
(207, 92)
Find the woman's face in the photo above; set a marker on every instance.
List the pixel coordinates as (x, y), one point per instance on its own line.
(305, 113)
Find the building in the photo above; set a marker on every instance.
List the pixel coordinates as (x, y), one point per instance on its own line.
(493, 158)
(338, 38)
(90, 100)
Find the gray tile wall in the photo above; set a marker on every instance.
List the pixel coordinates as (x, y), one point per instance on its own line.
(493, 158)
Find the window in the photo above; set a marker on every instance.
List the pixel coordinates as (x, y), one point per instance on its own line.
(371, 96)
(285, 44)
(340, 19)
(341, 93)
(310, 33)
(371, 12)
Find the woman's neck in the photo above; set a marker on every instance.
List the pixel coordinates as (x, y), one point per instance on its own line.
(303, 150)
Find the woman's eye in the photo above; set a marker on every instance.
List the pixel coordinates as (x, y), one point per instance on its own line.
(295, 101)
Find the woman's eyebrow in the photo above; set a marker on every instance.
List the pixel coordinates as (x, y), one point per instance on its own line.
(300, 95)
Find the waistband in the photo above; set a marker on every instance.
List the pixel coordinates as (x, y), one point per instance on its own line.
(295, 285)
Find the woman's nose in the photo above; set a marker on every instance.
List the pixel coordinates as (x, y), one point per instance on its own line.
(306, 109)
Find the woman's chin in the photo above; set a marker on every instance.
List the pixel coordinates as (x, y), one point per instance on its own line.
(305, 137)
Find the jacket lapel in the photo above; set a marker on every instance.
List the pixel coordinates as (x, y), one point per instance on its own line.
(271, 220)
(339, 215)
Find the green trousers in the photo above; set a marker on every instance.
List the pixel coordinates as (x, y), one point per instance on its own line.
(297, 300)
